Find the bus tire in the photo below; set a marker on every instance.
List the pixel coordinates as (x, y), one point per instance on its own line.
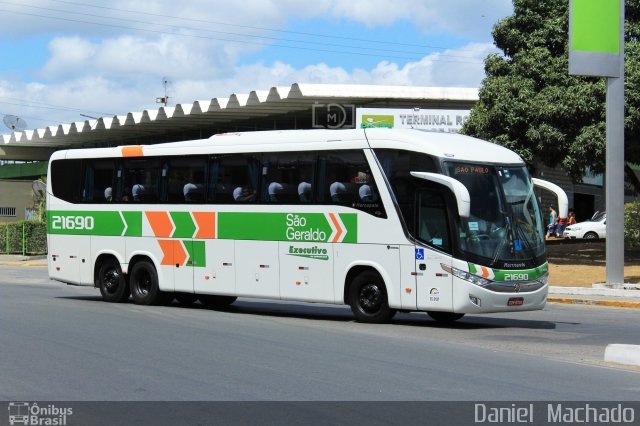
(143, 281)
(368, 298)
(444, 316)
(112, 282)
(186, 299)
(216, 302)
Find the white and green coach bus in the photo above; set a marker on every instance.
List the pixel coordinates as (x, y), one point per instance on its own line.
(379, 219)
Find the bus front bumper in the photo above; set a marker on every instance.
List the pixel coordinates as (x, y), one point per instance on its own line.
(469, 298)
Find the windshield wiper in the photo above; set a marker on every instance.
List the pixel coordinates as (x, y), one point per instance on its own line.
(527, 242)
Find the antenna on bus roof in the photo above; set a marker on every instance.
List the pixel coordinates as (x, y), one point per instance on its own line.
(164, 99)
(14, 123)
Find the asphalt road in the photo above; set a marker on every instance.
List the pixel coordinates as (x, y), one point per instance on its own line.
(59, 342)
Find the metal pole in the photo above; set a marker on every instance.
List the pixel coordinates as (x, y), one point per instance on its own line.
(24, 241)
(615, 170)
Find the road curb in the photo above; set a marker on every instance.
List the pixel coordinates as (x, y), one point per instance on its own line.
(610, 303)
(622, 354)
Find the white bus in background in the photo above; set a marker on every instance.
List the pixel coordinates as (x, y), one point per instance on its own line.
(379, 219)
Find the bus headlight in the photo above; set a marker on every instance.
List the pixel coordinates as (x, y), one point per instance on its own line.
(544, 278)
(467, 276)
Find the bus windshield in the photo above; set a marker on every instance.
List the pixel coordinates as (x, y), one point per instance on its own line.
(504, 228)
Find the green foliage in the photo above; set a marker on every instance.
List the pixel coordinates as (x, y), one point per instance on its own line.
(632, 225)
(530, 103)
(35, 237)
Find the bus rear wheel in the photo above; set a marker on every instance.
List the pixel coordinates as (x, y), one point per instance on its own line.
(216, 302)
(444, 316)
(368, 298)
(143, 281)
(112, 282)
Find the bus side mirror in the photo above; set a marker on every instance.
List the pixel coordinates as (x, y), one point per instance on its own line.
(459, 190)
(563, 201)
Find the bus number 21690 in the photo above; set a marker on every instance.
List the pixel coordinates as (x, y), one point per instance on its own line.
(72, 222)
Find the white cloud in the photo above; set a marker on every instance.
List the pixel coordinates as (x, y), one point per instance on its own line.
(461, 17)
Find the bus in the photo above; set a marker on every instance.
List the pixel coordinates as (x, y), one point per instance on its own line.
(382, 220)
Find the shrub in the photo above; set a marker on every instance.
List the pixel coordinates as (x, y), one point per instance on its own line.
(35, 237)
(632, 224)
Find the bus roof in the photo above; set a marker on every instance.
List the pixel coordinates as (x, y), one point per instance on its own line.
(444, 145)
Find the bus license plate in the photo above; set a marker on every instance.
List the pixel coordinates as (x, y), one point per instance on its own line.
(515, 301)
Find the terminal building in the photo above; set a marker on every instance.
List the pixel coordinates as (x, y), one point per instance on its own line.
(24, 154)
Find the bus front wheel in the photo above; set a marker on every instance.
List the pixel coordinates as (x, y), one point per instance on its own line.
(112, 282)
(143, 281)
(368, 298)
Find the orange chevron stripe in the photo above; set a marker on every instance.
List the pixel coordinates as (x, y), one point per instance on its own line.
(206, 222)
(132, 151)
(173, 252)
(167, 250)
(485, 272)
(337, 225)
(160, 223)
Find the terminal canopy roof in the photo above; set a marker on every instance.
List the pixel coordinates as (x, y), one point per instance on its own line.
(278, 108)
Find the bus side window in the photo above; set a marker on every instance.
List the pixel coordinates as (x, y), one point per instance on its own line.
(66, 178)
(234, 179)
(185, 180)
(142, 180)
(99, 179)
(348, 181)
(288, 177)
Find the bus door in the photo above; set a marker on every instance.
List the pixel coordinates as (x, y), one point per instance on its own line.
(434, 243)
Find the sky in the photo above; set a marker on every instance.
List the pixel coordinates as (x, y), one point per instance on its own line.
(66, 60)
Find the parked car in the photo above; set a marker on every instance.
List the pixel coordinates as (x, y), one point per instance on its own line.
(592, 229)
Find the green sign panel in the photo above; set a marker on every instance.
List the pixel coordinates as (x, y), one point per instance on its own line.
(595, 37)
(595, 26)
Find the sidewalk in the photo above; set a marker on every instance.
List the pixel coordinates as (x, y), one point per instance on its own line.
(19, 260)
(598, 294)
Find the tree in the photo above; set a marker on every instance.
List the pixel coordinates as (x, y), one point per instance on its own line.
(530, 103)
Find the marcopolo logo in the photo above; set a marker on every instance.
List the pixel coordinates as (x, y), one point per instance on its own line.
(314, 252)
(333, 116)
(25, 413)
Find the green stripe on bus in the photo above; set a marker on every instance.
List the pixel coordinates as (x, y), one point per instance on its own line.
(521, 274)
(107, 223)
(197, 253)
(302, 227)
(299, 227)
(185, 228)
(134, 224)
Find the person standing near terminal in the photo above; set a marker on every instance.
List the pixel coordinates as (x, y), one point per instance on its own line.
(553, 220)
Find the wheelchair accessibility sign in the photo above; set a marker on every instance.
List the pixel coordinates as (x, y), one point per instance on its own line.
(419, 254)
